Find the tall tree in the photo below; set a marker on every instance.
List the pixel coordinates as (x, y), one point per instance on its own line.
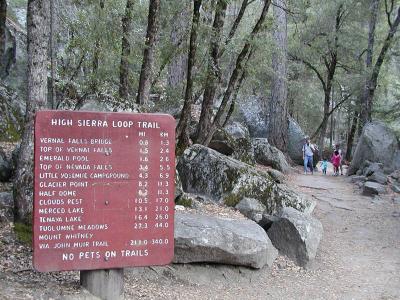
(235, 78)
(3, 17)
(148, 53)
(177, 60)
(330, 59)
(127, 21)
(277, 108)
(371, 82)
(38, 39)
(213, 71)
(182, 130)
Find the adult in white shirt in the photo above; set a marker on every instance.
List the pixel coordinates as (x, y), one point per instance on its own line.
(307, 156)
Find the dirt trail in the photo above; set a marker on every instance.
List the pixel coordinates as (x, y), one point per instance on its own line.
(358, 258)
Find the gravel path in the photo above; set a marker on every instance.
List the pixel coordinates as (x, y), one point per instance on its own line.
(358, 258)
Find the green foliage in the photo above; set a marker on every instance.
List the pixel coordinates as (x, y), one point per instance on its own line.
(232, 200)
(184, 201)
(23, 233)
(87, 32)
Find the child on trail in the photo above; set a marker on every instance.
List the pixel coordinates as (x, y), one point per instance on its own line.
(324, 166)
(336, 158)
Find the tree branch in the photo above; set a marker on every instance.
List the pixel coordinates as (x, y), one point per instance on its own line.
(389, 12)
(309, 65)
(234, 26)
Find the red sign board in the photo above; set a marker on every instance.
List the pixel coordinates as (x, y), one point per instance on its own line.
(103, 190)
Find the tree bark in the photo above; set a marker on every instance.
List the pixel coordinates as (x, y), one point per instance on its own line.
(237, 88)
(277, 110)
(148, 53)
(182, 130)
(350, 136)
(96, 54)
(177, 62)
(324, 124)
(127, 21)
(38, 38)
(52, 95)
(213, 72)
(367, 101)
(233, 80)
(368, 63)
(234, 26)
(3, 17)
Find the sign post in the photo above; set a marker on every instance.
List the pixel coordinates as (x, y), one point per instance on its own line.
(103, 192)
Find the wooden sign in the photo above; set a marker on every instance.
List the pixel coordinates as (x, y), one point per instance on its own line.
(103, 190)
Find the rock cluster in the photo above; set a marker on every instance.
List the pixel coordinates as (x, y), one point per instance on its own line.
(377, 155)
(377, 144)
(208, 175)
(225, 180)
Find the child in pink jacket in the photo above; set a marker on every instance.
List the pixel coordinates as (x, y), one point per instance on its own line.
(336, 162)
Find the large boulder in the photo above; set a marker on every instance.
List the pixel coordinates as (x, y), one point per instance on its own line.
(296, 235)
(234, 140)
(295, 142)
(200, 238)
(5, 167)
(268, 155)
(378, 144)
(223, 179)
(251, 111)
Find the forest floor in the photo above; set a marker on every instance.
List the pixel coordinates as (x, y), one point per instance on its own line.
(358, 258)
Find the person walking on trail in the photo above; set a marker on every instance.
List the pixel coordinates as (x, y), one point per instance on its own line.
(307, 156)
(337, 148)
(324, 166)
(336, 162)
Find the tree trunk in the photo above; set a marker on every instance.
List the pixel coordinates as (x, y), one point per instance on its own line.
(368, 64)
(324, 124)
(237, 88)
(96, 55)
(3, 17)
(350, 135)
(236, 74)
(148, 53)
(127, 21)
(182, 130)
(277, 110)
(234, 26)
(52, 94)
(213, 72)
(367, 102)
(178, 62)
(38, 38)
(331, 131)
